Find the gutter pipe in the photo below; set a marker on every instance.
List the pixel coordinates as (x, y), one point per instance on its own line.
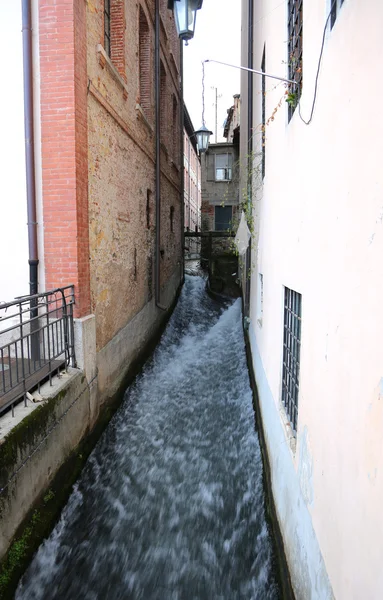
(29, 146)
(182, 196)
(30, 171)
(158, 157)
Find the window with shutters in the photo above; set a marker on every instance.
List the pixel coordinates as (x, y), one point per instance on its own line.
(223, 167)
(114, 33)
(144, 63)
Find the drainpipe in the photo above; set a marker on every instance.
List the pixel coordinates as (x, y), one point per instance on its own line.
(30, 168)
(158, 157)
(29, 145)
(250, 62)
(182, 195)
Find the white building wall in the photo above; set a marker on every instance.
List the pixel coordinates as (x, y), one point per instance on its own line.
(321, 234)
(13, 205)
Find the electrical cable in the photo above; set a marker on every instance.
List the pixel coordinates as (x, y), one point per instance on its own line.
(318, 69)
(203, 93)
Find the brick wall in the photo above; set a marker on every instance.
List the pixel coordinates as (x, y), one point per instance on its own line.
(64, 146)
(121, 141)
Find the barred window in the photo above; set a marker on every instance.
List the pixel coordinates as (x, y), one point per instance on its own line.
(335, 8)
(263, 69)
(107, 26)
(291, 354)
(295, 46)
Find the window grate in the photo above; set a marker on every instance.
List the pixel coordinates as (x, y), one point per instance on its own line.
(263, 69)
(295, 47)
(291, 354)
(107, 26)
(335, 8)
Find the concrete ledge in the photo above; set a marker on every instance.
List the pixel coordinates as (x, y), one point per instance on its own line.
(33, 450)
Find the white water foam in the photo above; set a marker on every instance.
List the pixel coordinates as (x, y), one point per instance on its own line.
(170, 504)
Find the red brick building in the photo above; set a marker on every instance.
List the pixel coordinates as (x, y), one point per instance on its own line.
(109, 112)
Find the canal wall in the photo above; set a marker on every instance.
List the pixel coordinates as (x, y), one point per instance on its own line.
(38, 444)
(291, 491)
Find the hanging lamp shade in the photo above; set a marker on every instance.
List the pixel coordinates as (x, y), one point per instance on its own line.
(203, 137)
(185, 12)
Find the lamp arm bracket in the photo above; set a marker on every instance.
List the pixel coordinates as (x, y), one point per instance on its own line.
(253, 71)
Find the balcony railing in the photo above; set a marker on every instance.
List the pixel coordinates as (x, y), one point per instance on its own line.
(36, 341)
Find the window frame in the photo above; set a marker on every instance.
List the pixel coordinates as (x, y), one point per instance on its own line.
(263, 137)
(107, 28)
(292, 336)
(228, 169)
(260, 300)
(295, 51)
(334, 10)
(215, 218)
(144, 64)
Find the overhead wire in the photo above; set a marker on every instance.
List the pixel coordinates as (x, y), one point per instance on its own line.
(318, 70)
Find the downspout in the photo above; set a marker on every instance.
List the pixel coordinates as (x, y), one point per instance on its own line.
(158, 156)
(30, 169)
(250, 61)
(182, 195)
(29, 145)
(189, 187)
(250, 87)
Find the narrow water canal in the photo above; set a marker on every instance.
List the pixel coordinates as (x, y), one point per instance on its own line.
(170, 505)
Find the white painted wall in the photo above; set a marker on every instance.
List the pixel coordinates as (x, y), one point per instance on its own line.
(13, 208)
(321, 234)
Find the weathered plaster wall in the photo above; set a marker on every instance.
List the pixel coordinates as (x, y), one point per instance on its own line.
(320, 213)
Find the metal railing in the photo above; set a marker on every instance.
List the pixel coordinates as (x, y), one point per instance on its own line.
(36, 341)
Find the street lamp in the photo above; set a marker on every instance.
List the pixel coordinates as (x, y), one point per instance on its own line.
(185, 12)
(203, 136)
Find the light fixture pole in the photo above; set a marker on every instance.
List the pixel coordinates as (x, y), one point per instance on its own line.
(219, 62)
(203, 134)
(185, 13)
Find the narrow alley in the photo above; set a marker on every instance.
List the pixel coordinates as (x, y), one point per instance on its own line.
(171, 503)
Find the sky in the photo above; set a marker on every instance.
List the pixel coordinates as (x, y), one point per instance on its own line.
(217, 36)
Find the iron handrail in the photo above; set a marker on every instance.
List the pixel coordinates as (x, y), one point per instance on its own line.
(37, 340)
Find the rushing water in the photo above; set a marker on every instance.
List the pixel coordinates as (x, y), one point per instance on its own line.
(170, 504)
